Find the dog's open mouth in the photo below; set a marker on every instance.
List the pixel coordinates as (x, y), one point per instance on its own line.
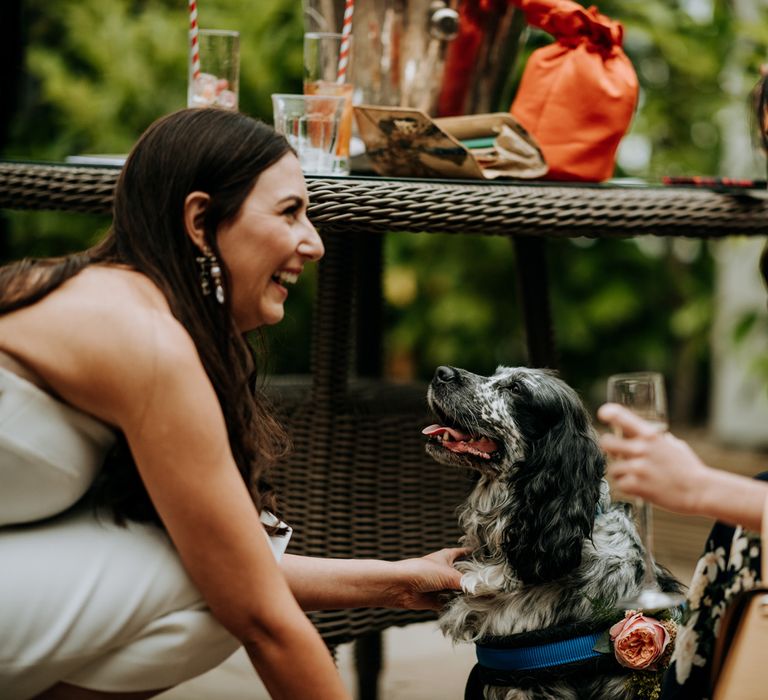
(462, 443)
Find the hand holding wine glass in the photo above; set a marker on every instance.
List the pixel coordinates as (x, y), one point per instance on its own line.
(656, 467)
(643, 393)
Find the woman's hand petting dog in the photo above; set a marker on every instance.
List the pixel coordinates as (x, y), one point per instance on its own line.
(655, 466)
(427, 582)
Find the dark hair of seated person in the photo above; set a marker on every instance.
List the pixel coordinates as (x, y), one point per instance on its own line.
(221, 153)
(759, 97)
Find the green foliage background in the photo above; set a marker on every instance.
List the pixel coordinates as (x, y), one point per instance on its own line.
(97, 73)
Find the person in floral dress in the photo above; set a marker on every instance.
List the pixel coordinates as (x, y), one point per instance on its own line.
(665, 471)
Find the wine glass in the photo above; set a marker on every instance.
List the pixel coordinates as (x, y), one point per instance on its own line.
(643, 393)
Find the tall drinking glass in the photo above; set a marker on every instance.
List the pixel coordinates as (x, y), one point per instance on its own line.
(643, 393)
(323, 76)
(214, 80)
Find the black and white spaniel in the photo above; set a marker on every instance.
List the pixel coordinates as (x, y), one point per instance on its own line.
(551, 556)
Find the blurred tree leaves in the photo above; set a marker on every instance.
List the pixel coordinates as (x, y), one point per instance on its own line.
(99, 73)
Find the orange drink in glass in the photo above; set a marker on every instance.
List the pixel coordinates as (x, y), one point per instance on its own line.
(321, 77)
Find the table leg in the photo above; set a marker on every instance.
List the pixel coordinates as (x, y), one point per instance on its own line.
(533, 292)
(369, 317)
(368, 661)
(369, 363)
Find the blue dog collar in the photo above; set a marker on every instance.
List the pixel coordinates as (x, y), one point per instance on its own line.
(540, 656)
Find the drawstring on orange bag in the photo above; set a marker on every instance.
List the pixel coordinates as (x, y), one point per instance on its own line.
(577, 95)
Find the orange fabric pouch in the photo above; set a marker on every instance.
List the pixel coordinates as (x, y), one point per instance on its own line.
(577, 95)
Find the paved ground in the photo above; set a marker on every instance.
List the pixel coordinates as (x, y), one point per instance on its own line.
(421, 665)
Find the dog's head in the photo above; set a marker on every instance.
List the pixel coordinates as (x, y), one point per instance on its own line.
(528, 434)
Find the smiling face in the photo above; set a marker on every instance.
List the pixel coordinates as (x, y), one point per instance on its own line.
(265, 247)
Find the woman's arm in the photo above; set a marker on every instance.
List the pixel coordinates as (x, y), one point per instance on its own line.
(665, 470)
(136, 368)
(181, 448)
(331, 584)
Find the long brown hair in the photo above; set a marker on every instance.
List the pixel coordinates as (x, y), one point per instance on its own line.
(214, 151)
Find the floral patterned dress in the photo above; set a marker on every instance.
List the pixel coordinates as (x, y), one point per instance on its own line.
(730, 564)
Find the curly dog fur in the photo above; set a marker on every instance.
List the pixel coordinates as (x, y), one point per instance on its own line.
(548, 547)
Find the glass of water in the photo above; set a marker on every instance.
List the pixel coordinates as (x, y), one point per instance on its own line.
(214, 71)
(311, 124)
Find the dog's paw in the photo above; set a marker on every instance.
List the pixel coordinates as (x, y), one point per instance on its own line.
(469, 583)
(484, 581)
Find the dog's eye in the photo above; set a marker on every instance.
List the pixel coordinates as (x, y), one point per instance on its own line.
(514, 387)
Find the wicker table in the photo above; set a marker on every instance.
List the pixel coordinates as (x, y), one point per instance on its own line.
(346, 493)
(345, 209)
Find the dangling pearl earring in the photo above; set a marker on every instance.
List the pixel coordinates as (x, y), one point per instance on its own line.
(218, 287)
(210, 271)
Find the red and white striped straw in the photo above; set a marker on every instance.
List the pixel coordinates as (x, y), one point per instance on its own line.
(346, 34)
(194, 48)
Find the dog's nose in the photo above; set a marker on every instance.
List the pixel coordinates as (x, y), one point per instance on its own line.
(446, 374)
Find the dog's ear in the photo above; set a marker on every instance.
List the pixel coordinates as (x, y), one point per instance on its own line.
(557, 489)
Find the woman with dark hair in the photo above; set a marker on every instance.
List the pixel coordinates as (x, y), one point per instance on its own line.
(127, 388)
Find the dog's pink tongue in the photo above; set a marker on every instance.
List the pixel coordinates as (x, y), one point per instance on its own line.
(483, 447)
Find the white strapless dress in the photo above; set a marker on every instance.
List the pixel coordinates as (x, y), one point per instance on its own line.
(82, 600)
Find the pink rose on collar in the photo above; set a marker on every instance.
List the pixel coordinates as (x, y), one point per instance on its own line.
(638, 641)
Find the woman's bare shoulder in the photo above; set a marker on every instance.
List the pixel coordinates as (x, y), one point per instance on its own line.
(105, 333)
(112, 286)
